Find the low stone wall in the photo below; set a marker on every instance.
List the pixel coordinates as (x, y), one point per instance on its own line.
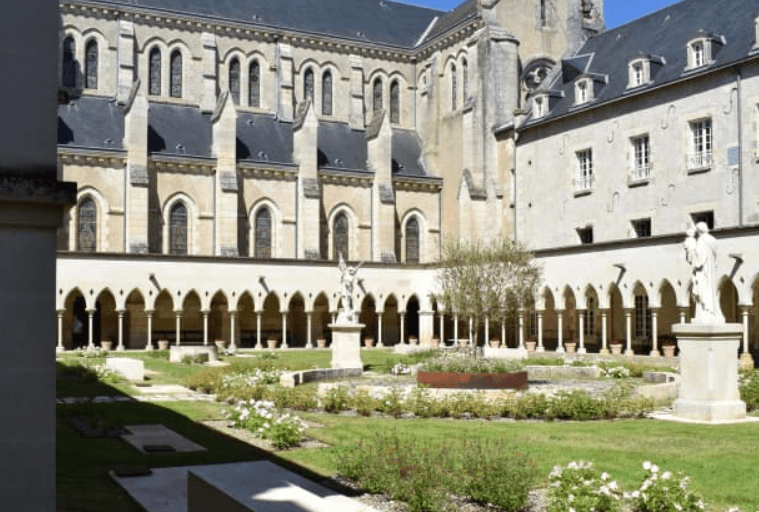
(562, 372)
(292, 379)
(663, 386)
(177, 353)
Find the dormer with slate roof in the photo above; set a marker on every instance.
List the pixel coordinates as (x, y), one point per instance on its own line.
(587, 87)
(702, 49)
(642, 70)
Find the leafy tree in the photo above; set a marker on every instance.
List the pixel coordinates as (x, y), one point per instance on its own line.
(493, 281)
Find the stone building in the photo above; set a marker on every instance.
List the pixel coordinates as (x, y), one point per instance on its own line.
(227, 153)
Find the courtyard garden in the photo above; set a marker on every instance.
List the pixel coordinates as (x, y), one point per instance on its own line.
(382, 434)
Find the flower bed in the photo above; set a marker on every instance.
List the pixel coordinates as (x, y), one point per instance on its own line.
(516, 380)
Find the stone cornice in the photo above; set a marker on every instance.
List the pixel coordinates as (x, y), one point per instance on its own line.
(92, 157)
(412, 184)
(186, 165)
(344, 177)
(264, 171)
(447, 39)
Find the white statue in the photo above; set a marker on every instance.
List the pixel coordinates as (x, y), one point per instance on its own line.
(347, 313)
(701, 254)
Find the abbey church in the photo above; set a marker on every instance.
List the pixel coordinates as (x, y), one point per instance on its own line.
(227, 152)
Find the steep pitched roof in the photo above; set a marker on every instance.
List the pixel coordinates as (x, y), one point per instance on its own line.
(262, 138)
(377, 21)
(407, 154)
(91, 122)
(665, 34)
(177, 130)
(461, 14)
(340, 147)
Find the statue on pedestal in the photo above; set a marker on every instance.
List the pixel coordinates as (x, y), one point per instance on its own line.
(347, 312)
(701, 255)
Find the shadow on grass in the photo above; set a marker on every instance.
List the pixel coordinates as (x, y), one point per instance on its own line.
(83, 484)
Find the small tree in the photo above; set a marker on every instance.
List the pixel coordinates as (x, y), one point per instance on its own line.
(492, 281)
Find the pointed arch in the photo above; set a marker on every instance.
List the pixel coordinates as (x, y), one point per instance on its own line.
(412, 235)
(68, 63)
(234, 79)
(308, 84)
(327, 93)
(377, 95)
(254, 84)
(454, 84)
(91, 63)
(86, 225)
(154, 71)
(395, 102)
(179, 217)
(464, 80)
(175, 74)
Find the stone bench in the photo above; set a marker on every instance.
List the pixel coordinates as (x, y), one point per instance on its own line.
(177, 353)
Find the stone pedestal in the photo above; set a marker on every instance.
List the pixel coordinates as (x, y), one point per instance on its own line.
(346, 345)
(709, 372)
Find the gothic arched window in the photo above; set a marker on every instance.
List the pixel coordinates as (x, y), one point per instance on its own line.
(176, 74)
(91, 65)
(412, 241)
(465, 79)
(340, 237)
(308, 85)
(377, 94)
(254, 84)
(234, 80)
(263, 233)
(453, 86)
(87, 226)
(68, 68)
(178, 229)
(327, 93)
(395, 102)
(154, 73)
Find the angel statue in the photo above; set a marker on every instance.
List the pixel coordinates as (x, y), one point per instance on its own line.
(347, 313)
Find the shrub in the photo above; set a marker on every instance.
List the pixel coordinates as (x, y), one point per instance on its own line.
(581, 488)
(365, 403)
(749, 389)
(195, 359)
(302, 398)
(392, 403)
(664, 492)
(260, 418)
(337, 399)
(462, 363)
(576, 405)
(530, 405)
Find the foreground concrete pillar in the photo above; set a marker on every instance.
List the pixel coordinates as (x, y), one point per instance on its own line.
(120, 345)
(655, 333)
(149, 316)
(604, 333)
(540, 348)
(708, 389)
(628, 332)
(59, 313)
(560, 330)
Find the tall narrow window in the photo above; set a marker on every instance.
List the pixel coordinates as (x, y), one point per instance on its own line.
(178, 229)
(234, 80)
(465, 79)
(412, 241)
(377, 94)
(697, 50)
(154, 75)
(642, 317)
(584, 179)
(91, 65)
(176, 74)
(327, 93)
(254, 85)
(454, 79)
(641, 157)
(87, 220)
(308, 85)
(340, 237)
(395, 102)
(543, 14)
(68, 68)
(589, 322)
(701, 145)
(263, 233)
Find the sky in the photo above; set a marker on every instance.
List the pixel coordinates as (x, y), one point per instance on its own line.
(617, 12)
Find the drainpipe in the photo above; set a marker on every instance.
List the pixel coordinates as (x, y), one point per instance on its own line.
(739, 119)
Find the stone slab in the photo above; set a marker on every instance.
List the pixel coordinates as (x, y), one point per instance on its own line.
(131, 369)
(292, 379)
(402, 348)
(260, 485)
(680, 419)
(346, 345)
(504, 353)
(177, 353)
(141, 436)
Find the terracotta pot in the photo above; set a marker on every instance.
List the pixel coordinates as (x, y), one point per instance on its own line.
(463, 343)
(368, 342)
(494, 343)
(616, 348)
(570, 347)
(531, 345)
(271, 343)
(434, 342)
(669, 350)
(413, 340)
(220, 344)
(163, 344)
(321, 343)
(106, 344)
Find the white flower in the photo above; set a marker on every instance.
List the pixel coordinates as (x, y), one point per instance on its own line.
(635, 494)
(604, 476)
(678, 506)
(570, 498)
(604, 490)
(647, 465)
(666, 475)
(556, 471)
(613, 485)
(654, 468)
(572, 465)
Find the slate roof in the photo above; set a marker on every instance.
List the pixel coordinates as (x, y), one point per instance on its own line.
(407, 154)
(262, 138)
(340, 147)
(457, 16)
(91, 122)
(176, 130)
(664, 33)
(377, 21)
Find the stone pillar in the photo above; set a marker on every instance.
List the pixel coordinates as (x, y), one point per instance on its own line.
(655, 332)
(503, 333)
(628, 332)
(59, 348)
(258, 330)
(178, 313)
(455, 329)
(441, 320)
(224, 148)
(681, 311)
(208, 99)
(746, 360)
(379, 329)
(285, 80)
(379, 147)
(90, 314)
(487, 330)
(309, 340)
(149, 316)
(560, 330)
(581, 331)
(521, 329)
(305, 152)
(136, 179)
(205, 314)
(540, 348)
(120, 346)
(402, 322)
(604, 333)
(284, 329)
(357, 93)
(426, 327)
(472, 341)
(125, 50)
(232, 328)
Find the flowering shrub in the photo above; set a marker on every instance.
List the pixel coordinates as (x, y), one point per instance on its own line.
(615, 372)
(664, 492)
(90, 353)
(259, 417)
(400, 369)
(580, 487)
(456, 362)
(749, 389)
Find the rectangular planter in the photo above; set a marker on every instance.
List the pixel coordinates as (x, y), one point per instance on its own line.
(473, 380)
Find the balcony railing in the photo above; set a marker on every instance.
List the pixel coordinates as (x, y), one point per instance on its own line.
(583, 183)
(699, 161)
(642, 172)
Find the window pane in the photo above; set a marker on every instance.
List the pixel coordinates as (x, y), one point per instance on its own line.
(234, 80)
(377, 91)
(254, 85)
(178, 229)
(453, 87)
(176, 74)
(395, 107)
(412, 241)
(154, 86)
(87, 228)
(341, 243)
(263, 234)
(308, 85)
(465, 79)
(68, 77)
(91, 65)
(327, 94)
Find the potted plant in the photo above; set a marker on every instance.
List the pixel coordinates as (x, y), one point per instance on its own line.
(106, 344)
(434, 342)
(531, 344)
(271, 342)
(413, 340)
(494, 342)
(220, 345)
(570, 347)
(668, 344)
(163, 344)
(463, 342)
(616, 347)
(369, 341)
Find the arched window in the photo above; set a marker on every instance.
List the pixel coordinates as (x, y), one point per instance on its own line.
(234, 80)
(91, 65)
(340, 237)
(377, 92)
(178, 229)
(327, 93)
(263, 233)
(154, 74)
(412, 241)
(176, 74)
(87, 228)
(308, 85)
(254, 84)
(465, 79)
(395, 102)
(68, 68)
(453, 86)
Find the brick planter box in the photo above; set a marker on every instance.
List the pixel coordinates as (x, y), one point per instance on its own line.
(473, 380)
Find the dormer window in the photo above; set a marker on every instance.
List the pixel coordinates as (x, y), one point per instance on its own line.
(639, 73)
(697, 54)
(702, 49)
(583, 91)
